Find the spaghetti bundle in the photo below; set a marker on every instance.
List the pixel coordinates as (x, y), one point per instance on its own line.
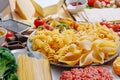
(33, 69)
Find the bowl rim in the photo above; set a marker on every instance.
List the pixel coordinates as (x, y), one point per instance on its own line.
(5, 31)
(75, 9)
(84, 3)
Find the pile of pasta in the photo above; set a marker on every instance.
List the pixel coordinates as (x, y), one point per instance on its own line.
(33, 69)
(91, 43)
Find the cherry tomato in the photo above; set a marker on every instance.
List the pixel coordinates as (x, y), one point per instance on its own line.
(9, 34)
(117, 25)
(74, 25)
(101, 0)
(75, 3)
(91, 2)
(115, 29)
(110, 26)
(104, 23)
(48, 27)
(38, 22)
(107, 1)
(118, 33)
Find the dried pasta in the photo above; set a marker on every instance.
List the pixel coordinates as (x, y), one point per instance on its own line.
(91, 43)
(33, 69)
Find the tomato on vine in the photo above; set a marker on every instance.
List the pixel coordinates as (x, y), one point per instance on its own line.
(38, 22)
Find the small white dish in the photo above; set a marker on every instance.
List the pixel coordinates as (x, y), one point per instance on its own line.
(2, 37)
(77, 8)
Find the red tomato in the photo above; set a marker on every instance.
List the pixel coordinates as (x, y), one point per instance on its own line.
(91, 2)
(9, 34)
(48, 27)
(117, 25)
(101, 0)
(111, 26)
(38, 22)
(116, 29)
(104, 23)
(74, 25)
(118, 33)
(107, 1)
(75, 3)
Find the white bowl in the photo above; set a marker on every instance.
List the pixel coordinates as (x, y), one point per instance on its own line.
(75, 9)
(2, 38)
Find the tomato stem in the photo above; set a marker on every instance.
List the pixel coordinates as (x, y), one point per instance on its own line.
(38, 18)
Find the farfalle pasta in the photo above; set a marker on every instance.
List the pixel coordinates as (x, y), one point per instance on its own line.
(91, 43)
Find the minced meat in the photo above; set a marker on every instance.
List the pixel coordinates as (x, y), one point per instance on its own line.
(87, 73)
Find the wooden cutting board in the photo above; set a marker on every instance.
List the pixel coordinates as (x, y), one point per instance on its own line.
(62, 13)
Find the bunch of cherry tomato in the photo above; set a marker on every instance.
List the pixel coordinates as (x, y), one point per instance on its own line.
(113, 25)
(44, 24)
(91, 2)
(41, 23)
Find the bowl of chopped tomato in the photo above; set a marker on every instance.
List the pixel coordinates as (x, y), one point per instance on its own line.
(75, 6)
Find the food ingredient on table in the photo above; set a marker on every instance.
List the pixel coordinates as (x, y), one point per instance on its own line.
(91, 2)
(104, 3)
(45, 7)
(75, 6)
(11, 76)
(75, 3)
(38, 22)
(42, 24)
(60, 23)
(117, 2)
(17, 37)
(116, 66)
(1, 33)
(84, 45)
(33, 69)
(87, 73)
(8, 65)
(115, 26)
(9, 34)
(25, 9)
(30, 8)
(97, 4)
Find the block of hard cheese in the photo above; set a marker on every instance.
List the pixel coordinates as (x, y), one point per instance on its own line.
(47, 7)
(25, 9)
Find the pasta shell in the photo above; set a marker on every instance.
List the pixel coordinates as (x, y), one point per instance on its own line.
(98, 57)
(108, 47)
(109, 50)
(86, 59)
(85, 44)
(70, 58)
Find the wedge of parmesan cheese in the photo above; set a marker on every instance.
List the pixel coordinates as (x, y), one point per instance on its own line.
(25, 9)
(47, 7)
